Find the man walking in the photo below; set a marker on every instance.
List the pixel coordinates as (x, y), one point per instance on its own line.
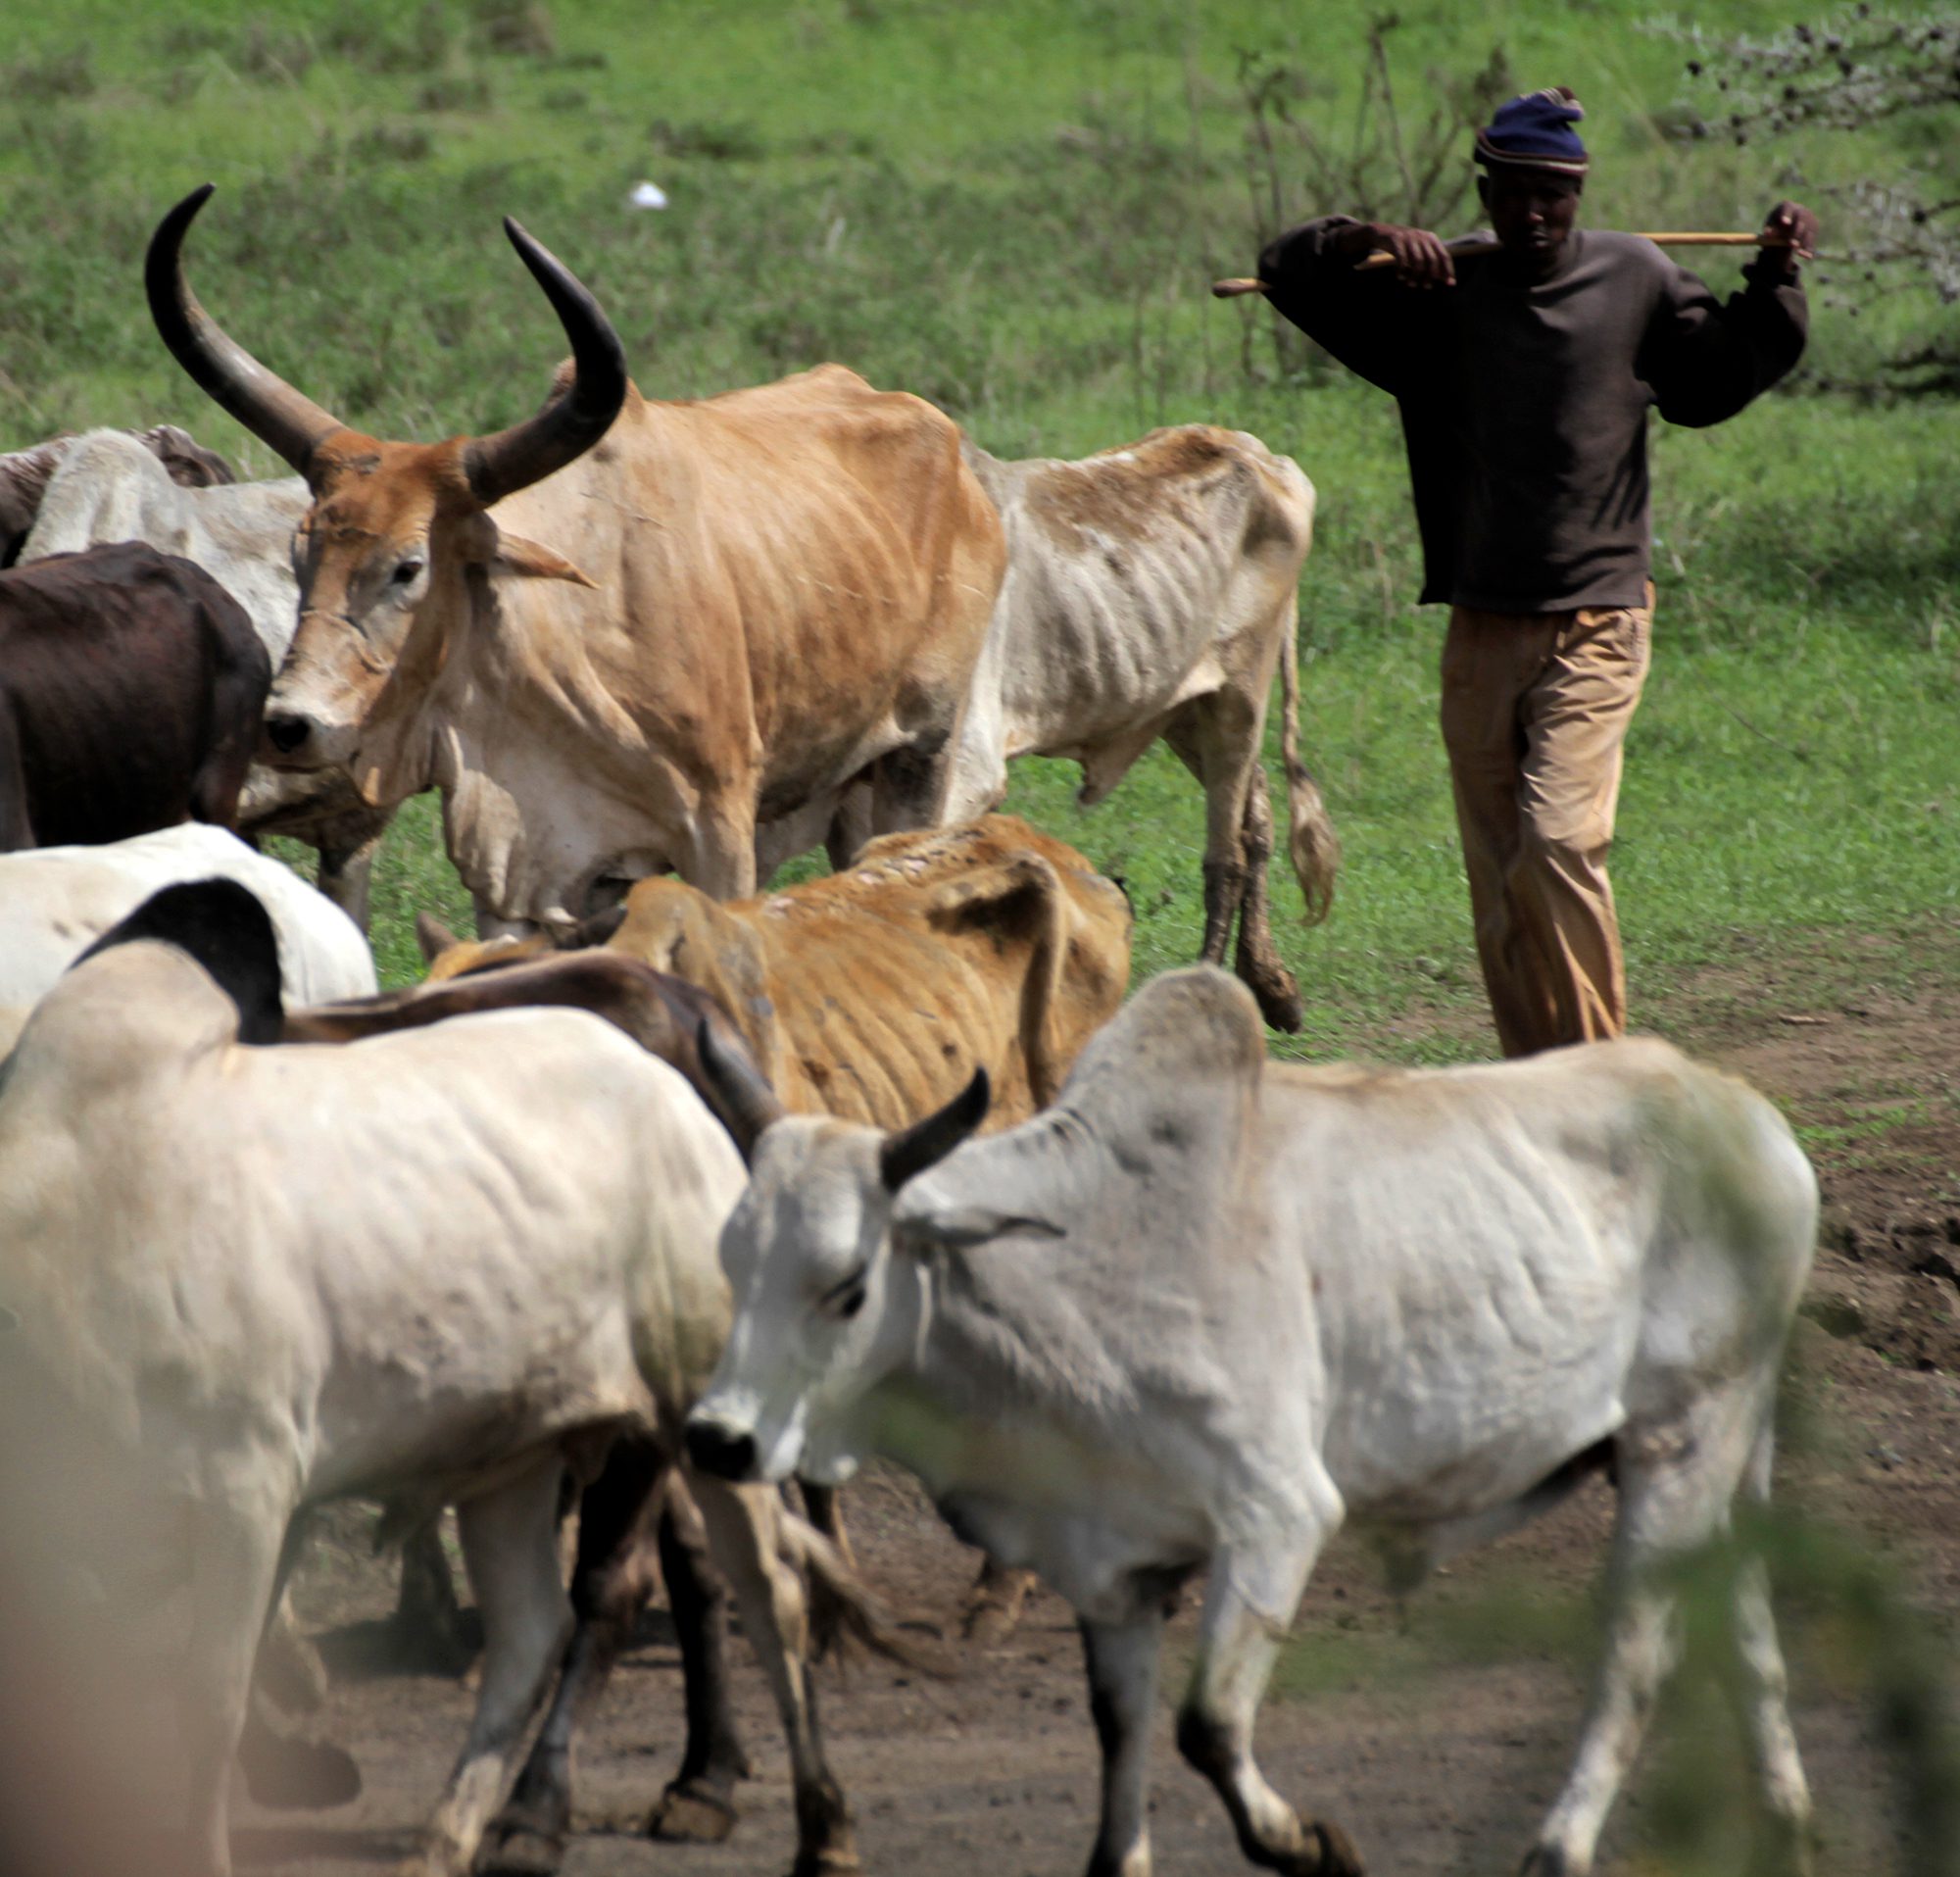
(1524, 379)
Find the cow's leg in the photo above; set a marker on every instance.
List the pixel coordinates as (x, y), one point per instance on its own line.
(909, 785)
(742, 1531)
(1761, 1688)
(721, 853)
(976, 780)
(1249, 1601)
(289, 1667)
(1123, 1663)
(1217, 739)
(234, 1582)
(1258, 959)
(850, 827)
(491, 924)
(1677, 1484)
(509, 1547)
(347, 875)
(283, 1771)
(611, 1579)
(429, 1633)
(824, 1506)
(993, 1605)
(699, 1803)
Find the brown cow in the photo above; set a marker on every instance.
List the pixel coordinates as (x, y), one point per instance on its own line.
(876, 992)
(621, 633)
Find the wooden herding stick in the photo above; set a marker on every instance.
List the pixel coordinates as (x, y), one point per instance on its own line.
(1666, 238)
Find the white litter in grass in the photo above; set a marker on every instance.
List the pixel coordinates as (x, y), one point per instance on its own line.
(646, 195)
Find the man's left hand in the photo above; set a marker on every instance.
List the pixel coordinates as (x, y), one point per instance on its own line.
(1789, 235)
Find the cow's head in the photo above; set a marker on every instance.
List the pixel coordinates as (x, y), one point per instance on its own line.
(397, 530)
(824, 1309)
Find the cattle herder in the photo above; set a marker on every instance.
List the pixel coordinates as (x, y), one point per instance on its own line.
(1524, 376)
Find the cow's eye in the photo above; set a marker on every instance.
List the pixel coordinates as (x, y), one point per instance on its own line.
(850, 1301)
(406, 572)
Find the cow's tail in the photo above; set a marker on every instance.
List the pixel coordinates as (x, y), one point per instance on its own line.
(843, 1613)
(1311, 841)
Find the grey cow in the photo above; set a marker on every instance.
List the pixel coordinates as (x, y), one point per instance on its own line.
(1206, 1309)
(1152, 591)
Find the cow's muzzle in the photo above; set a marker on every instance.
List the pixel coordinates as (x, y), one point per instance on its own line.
(718, 1449)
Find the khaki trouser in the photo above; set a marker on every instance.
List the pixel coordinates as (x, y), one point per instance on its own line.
(1534, 711)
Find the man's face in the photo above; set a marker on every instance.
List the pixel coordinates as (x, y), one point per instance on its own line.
(1532, 212)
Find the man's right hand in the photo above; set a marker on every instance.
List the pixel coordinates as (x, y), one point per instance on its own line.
(1420, 257)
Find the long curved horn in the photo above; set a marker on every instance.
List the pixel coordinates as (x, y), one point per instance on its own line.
(266, 405)
(567, 425)
(735, 1089)
(913, 1149)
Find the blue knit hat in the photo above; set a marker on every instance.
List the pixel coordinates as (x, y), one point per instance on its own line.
(1534, 132)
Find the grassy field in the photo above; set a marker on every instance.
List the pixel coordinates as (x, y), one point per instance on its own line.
(1015, 209)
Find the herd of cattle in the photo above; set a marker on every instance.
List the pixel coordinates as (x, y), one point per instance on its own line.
(669, 1191)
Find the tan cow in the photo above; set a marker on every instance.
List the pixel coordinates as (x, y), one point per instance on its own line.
(874, 993)
(1151, 591)
(621, 633)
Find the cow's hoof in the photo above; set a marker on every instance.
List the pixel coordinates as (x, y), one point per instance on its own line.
(994, 1604)
(1786, 1848)
(1337, 1857)
(1547, 1861)
(826, 1863)
(691, 1813)
(523, 1853)
(988, 1625)
(1279, 1002)
(297, 1775)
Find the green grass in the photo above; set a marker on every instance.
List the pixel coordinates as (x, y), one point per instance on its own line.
(1014, 209)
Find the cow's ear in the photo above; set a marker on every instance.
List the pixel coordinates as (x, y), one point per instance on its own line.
(517, 555)
(926, 1216)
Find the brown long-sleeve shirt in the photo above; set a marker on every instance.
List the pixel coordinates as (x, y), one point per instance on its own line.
(1524, 404)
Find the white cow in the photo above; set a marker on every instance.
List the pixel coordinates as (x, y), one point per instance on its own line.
(54, 901)
(25, 475)
(1204, 1309)
(107, 485)
(440, 1265)
(1151, 591)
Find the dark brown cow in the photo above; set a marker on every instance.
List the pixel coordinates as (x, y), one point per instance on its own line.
(131, 685)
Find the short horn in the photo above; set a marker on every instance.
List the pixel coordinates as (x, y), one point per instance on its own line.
(266, 406)
(735, 1089)
(569, 423)
(925, 1142)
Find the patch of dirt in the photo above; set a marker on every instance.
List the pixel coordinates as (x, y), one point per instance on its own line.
(1435, 1735)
